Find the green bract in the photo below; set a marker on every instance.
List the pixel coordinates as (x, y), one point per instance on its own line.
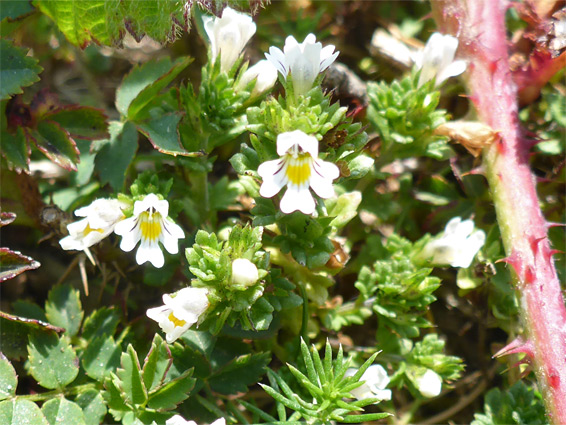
(405, 116)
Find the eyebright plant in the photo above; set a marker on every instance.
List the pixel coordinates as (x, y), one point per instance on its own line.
(363, 239)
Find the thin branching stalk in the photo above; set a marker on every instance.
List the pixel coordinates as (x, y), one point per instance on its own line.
(480, 27)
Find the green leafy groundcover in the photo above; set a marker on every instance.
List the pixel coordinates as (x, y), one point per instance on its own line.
(151, 270)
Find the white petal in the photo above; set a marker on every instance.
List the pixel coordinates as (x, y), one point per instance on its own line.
(179, 420)
(158, 313)
(307, 143)
(290, 43)
(452, 70)
(150, 251)
(322, 186)
(129, 229)
(220, 421)
(71, 243)
(309, 39)
(170, 235)
(327, 57)
(189, 303)
(274, 178)
(296, 198)
(277, 58)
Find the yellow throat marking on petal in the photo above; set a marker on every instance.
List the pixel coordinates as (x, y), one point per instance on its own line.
(150, 225)
(89, 229)
(177, 322)
(299, 169)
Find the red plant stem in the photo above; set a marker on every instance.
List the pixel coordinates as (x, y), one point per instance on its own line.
(480, 27)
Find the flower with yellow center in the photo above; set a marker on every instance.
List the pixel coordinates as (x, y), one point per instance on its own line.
(151, 225)
(181, 310)
(298, 168)
(99, 221)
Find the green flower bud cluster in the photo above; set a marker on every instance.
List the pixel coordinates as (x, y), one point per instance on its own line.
(405, 115)
(249, 301)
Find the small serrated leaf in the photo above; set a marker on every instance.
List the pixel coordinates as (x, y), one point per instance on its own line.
(93, 406)
(56, 144)
(113, 397)
(62, 411)
(63, 308)
(131, 379)
(101, 356)
(12, 263)
(172, 393)
(138, 79)
(163, 134)
(52, 361)
(14, 333)
(16, 150)
(237, 374)
(101, 322)
(8, 378)
(81, 121)
(156, 364)
(18, 412)
(148, 93)
(116, 154)
(17, 70)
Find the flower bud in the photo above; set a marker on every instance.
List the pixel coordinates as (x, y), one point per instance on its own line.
(429, 384)
(244, 272)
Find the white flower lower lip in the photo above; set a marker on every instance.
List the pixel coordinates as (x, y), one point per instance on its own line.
(298, 168)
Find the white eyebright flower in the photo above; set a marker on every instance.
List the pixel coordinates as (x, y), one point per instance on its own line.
(429, 384)
(244, 272)
(264, 74)
(304, 61)
(457, 246)
(298, 167)
(437, 59)
(228, 35)
(376, 379)
(179, 420)
(100, 219)
(180, 312)
(150, 224)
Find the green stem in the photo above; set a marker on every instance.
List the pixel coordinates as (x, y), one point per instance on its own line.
(54, 393)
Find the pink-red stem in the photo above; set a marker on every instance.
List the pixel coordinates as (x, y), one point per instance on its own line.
(480, 27)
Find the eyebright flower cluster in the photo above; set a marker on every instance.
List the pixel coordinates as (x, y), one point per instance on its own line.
(150, 224)
(298, 168)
